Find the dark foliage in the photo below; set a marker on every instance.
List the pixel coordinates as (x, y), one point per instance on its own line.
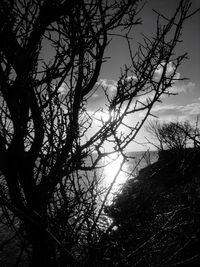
(157, 216)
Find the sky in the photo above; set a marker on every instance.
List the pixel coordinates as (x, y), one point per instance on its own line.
(185, 105)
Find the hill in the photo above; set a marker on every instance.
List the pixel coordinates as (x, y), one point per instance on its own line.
(157, 215)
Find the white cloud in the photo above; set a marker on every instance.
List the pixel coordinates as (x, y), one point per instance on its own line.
(173, 118)
(190, 85)
(180, 87)
(129, 79)
(111, 85)
(169, 71)
(174, 112)
(160, 69)
(95, 95)
(183, 88)
(158, 108)
(145, 98)
(191, 109)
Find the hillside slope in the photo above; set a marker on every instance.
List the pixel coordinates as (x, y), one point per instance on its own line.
(157, 215)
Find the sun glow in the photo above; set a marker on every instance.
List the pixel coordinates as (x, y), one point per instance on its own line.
(102, 116)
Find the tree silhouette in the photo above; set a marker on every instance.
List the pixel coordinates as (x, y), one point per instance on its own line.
(45, 157)
(174, 135)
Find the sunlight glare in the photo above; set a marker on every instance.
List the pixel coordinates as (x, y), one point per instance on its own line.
(113, 164)
(103, 116)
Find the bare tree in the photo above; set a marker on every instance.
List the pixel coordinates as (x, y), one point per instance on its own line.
(154, 128)
(45, 157)
(192, 133)
(173, 135)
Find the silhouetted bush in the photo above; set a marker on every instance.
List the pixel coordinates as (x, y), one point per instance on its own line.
(174, 135)
(157, 215)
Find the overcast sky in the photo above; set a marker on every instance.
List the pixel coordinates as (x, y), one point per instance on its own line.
(184, 106)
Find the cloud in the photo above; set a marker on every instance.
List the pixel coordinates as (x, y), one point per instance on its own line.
(95, 95)
(190, 86)
(160, 68)
(191, 109)
(169, 71)
(183, 87)
(129, 80)
(110, 85)
(174, 112)
(188, 111)
(98, 98)
(173, 118)
(164, 108)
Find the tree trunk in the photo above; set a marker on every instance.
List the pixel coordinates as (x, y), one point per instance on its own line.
(43, 248)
